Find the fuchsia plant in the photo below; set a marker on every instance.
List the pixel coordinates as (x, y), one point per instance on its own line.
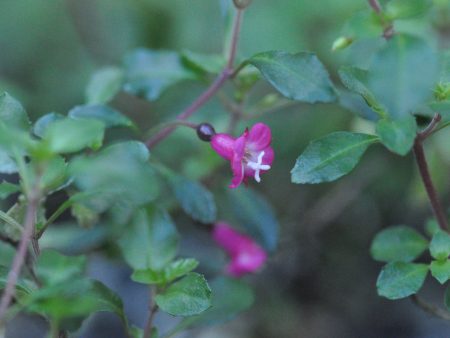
(246, 255)
(250, 154)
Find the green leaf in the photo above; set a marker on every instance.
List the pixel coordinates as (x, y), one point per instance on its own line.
(119, 172)
(105, 114)
(399, 279)
(14, 141)
(300, 76)
(69, 135)
(399, 243)
(398, 135)
(104, 84)
(254, 213)
(195, 200)
(355, 79)
(107, 300)
(203, 63)
(229, 298)
(150, 241)
(7, 189)
(149, 73)
(331, 157)
(55, 268)
(431, 227)
(364, 24)
(44, 121)
(7, 164)
(12, 113)
(189, 296)
(171, 272)
(440, 270)
(440, 245)
(404, 9)
(55, 174)
(403, 74)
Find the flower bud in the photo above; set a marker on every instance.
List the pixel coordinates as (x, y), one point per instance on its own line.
(341, 43)
(205, 132)
(241, 4)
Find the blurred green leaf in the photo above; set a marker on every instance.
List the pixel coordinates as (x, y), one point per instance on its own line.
(105, 114)
(203, 63)
(148, 73)
(364, 24)
(404, 9)
(300, 76)
(229, 298)
(150, 241)
(43, 122)
(55, 174)
(255, 214)
(14, 141)
(196, 200)
(440, 270)
(399, 279)
(69, 135)
(398, 244)
(189, 296)
(7, 164)
(355, 79)
(119, 172)
(398, 135)
(431, 227)
(104, 84)
(440, 245)
(12, 113)
(331, 157)
(171, 272)
(7, 189)
(403, 74)
(55, 268)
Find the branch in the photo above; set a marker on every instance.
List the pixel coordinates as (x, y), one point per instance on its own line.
(19, 258)
(421, 160)
(430, 308)
(153, 309)
(375, 6)
(213, 88)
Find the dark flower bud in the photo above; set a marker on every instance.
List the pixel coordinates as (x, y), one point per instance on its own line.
(205, 132)
(241, 4)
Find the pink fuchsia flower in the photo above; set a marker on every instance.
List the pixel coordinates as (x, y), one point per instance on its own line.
(250, 154)
(246, 255)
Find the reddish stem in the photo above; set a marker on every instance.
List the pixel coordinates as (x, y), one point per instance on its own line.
(212, 89)
(19, 258)
(421, 160)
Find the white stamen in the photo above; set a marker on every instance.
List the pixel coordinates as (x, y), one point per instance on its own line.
(258, 166)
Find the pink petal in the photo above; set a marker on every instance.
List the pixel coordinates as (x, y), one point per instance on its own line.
(248, 260)
(259, 137)
(237, 165)
(223, 144)
(269, 156)
(228, 238)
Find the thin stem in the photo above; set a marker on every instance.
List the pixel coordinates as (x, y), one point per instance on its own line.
(438, 211)
(375, 6)
(63, 207)
(19, 258)
(430, 308)
(431, 127)
(153, 308)
(210, 91)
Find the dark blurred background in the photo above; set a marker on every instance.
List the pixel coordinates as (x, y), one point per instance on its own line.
(321, 281)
